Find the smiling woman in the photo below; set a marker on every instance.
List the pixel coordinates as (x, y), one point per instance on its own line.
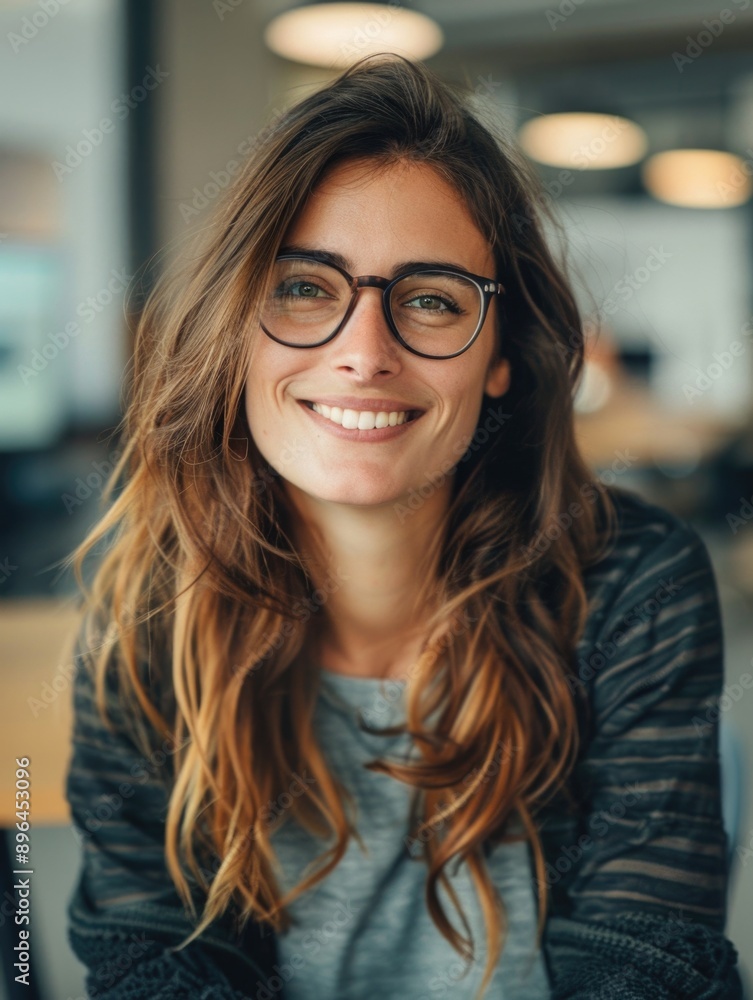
(417, 760)
(410, 408)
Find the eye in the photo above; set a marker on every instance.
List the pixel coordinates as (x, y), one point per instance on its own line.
(434, 303)
(307, 290)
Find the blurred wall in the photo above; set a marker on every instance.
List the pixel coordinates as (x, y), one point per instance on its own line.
(223, 82)
(57, 83)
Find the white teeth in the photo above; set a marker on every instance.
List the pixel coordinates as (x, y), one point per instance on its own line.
(363, 420)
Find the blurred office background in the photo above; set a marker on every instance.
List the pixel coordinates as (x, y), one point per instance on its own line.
(119, 125)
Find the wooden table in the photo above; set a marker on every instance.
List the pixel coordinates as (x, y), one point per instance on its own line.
(35, 705)
(633, 421)
(36, 701)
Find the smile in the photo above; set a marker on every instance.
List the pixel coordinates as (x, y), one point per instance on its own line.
(362, 425)
(363, 420)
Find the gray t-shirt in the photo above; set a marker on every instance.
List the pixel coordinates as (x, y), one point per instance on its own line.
(366, 931)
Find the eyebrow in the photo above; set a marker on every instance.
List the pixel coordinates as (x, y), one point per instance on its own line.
(332, 257)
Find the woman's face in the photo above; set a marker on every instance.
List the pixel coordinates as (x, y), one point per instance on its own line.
(375, 217)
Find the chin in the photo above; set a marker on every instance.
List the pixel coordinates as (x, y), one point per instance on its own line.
(358, 495)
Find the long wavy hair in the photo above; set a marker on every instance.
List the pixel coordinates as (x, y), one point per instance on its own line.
(201, 595)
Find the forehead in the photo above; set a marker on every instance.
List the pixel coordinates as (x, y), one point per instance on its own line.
(374, 212)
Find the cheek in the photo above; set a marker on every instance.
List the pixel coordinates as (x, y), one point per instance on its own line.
(264, 373)
(251, 387)
(249, 397)
(256, 408)
(461, 389)
(268, 392)
(465, 396)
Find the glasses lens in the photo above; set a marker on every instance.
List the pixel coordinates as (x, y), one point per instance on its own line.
(306, 301)
(436, 312)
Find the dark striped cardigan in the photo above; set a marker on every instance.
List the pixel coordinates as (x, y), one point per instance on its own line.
(637, 873)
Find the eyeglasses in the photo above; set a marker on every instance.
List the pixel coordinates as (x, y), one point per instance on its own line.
(433, 312)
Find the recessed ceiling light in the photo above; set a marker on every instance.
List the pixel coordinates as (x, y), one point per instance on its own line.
(583, 141)
(337, 34)
(595, 388)
(698, 178)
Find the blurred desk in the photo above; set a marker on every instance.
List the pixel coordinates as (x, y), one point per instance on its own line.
(36, 705)
(635, 427)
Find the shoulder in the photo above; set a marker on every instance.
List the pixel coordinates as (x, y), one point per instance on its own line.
(124, 723)
(641, 527)
(654, 612)
(650, 546)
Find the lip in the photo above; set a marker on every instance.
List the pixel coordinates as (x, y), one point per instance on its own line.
(359, 403)
(374, 436)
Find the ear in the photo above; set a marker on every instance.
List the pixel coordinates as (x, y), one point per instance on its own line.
(498, 378)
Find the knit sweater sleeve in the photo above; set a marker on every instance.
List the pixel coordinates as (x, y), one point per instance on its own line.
(647, 902)
(125, 916)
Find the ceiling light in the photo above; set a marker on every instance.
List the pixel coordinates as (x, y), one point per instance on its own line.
(337, 34)
(583, 141)
(595, 388)
(698, 178)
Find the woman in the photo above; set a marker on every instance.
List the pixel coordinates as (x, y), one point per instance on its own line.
(363, 583)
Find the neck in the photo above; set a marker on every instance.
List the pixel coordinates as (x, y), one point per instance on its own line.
(375, 567)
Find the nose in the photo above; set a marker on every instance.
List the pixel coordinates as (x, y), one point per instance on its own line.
(365, 342)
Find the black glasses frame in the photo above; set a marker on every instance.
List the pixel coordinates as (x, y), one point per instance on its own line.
(487, 288)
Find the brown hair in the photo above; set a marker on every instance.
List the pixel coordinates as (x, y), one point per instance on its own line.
(202, 566)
